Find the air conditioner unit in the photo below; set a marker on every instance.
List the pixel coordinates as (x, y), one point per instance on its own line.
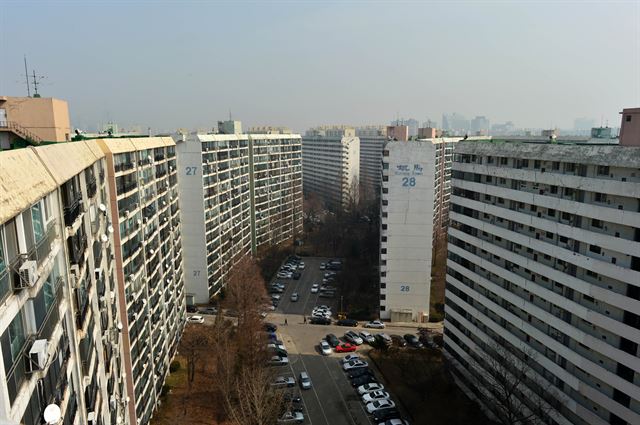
(38, 355)
(28, 273)
(126, 213)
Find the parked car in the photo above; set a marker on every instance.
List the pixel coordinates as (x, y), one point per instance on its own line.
(322, 266)
(291, 397)
(278, 361)
(386, 414)
(367, 388)
(320, 321)
(314, 288)
(325, 348)
(383, 339)
(294, 297)
(347, 322)
(345, 348)
(305, 381)
(364, 379)
(274, 346)
(375, 395)
(195, 319)
(275, 297)
(282, 381)
(354, 364)
(271, 327)
(398, 340)
(327, 294)
(413, 341)
(356, 373)
(379, 404)
(284, 275)
(296, 276)
(332, 340)
(367, 337)
(192, 309)
(349, 357)
(353, 338)
(394, 421)
(301, 265)
(375, 324)
(291, 418)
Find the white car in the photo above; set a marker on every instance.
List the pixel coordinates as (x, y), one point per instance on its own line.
(325, 348)
(301, 266)
(323, 266)
(315, 288)
(291, 417)
(273, 346)
(294, 297)
(354, 364)
(305, 381)
(367, 337)
(394, 422)
(285, 275)
(367, 388)
(282, 381)
(349, 357)
(375, 324)
(375, 395)
(279, 361)
(195, 319)
(379, 404)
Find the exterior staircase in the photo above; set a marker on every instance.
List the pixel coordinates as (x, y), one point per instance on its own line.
(20, 131)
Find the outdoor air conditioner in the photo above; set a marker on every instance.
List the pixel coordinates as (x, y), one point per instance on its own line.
(28, 273)
(38, 355)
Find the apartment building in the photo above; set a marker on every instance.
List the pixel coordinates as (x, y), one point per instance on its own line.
(372, 140)
(331, 165)
(414, 210)
(60, 339)
(244, 192)
(32, 120)
(143, 198)
(544, 260)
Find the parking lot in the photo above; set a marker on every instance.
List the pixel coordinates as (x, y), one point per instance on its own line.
(331, 400)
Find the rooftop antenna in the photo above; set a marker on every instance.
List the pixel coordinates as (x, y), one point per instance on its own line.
(26, 76)
(36, 81)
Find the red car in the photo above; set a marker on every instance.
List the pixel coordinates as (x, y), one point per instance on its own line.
(345, 348)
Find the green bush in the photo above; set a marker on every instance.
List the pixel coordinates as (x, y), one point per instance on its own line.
(174, 366)
(165, 390)
(436, 317)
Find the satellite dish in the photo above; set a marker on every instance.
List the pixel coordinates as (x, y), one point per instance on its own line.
(52, 414)
(104, 238)
(110, 229)
(102, 207)
(119, 325)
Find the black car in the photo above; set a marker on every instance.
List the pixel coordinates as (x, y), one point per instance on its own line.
(362, 371)
(209, 310)
(271, 327)
(361, 380)
(296, 276)
(290, 397)
(320, 321)
(192, 309)
(332, 340)
(413, 341)
(385, 414)
(398, 340)
(347, 322)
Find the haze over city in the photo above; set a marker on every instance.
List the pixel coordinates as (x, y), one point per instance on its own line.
(169, 65)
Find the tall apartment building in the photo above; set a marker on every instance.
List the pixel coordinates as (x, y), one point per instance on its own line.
(60, 338)
(414, 211)
(331, 165)
(31, 120)
(243, 192)
(372, 140)
(143, 195)
(544, 260)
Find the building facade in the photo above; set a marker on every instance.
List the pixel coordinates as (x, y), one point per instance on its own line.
(414, 211)
(60, 338)
(544, 261)
(33, 120)
(372, 140)
(143, 196)
(244, 192)
(331, 166)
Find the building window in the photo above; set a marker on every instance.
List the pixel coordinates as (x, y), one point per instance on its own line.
(627, 118)
(600, 197)
(551, 212)
(595, 248)
(536, 164)
(554, 189)
(504, 161)
(555, 165)
(383, 297)
(603, 170)
(596, 223)
(385, 153)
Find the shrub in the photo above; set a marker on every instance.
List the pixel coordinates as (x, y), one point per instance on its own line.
(174, 366)
(436, 317)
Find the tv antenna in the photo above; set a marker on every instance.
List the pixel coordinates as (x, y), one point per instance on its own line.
(36, 81)
(26, 76)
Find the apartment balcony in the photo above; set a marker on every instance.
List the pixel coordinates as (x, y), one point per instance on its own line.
(73, 209)
(92, 187)
(77, 245)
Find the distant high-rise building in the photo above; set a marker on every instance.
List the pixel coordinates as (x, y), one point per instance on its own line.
(372, 139)
(455, 124)
(480, 126)
(544, 263)
(331, 165)
(230, 127)
(505, 129)
(244, 192)
(32, 120)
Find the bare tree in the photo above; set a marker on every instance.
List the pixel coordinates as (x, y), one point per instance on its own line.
(512, 391)
(251, 400)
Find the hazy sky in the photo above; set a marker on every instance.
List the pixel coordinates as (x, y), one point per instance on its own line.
(170, 64)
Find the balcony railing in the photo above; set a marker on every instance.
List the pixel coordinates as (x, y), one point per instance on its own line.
(53, 315)
(92, 187)
(73, 209)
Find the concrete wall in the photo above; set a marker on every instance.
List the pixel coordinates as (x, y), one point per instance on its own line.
(47, 118)
(630, 127)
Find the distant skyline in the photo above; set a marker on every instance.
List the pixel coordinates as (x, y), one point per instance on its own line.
(168, 64)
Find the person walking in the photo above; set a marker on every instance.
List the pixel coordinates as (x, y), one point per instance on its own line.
(285, 321)
(305, 320)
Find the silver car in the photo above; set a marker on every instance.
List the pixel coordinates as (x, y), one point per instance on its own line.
(305, 381)
(291, 418)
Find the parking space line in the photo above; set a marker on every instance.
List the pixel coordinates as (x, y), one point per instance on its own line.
(316, 394)
(342, 396)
